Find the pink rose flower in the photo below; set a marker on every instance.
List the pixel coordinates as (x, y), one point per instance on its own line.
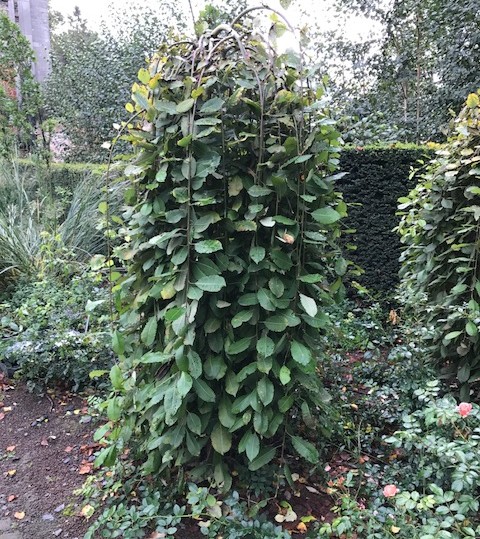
(389, 491)
(464, 408)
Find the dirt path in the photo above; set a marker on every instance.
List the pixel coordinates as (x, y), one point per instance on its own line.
(44, 456)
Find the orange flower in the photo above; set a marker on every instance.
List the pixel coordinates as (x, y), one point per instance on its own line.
(389, 491)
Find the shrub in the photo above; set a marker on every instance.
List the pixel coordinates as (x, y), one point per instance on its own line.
(440, 231)
(51, 338)
(432, 492)
(230, 246)
(376, 178)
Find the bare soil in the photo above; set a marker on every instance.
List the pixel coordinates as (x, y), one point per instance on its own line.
(44, 455)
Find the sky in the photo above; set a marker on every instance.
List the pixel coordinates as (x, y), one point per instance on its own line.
(95, 10)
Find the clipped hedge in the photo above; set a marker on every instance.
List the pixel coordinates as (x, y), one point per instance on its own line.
(64, 175)
(376, 177)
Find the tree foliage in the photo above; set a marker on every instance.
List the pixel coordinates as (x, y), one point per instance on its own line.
(92, 73)
(441, 230)
(418, 65)
(230, 246)
(19, 92)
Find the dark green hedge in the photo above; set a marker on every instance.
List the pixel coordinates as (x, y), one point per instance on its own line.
(63, 175)
(376, 178)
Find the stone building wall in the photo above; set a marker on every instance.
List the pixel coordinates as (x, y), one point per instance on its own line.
(32, 17)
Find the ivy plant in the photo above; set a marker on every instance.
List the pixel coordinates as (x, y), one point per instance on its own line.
(230, 245)
(440, 228)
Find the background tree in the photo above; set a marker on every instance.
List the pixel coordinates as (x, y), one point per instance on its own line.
(419, 64)
(92, 73)
(19, 92)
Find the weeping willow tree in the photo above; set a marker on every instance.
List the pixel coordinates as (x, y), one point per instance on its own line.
(230, 244)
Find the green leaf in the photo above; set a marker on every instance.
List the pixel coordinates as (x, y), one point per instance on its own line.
(471, 328)
(264, 299)
(264, 457)
(174, 313)
(305, 449)
(276, 286)
(326, 216)
(184, 384)
(212, 105)
(211, 283)
(238, 347)
(116, 377)
(208, 246)
(277, 323)
(241, 317)
(252, 446)
(309, 305)
(114, 410)
(149, 331)
(285, 403)
(227, 419)
(221, 439)
(194, 364)
(452, 335)
(141, 100)
(166, 106)
(265, 346)
(265, 390)
(257, 254)
(185, 106)
(300, 353)
(285, 375)
(259, 191)
(204, 391)
(97, 374)
(185, 141)
(194, 423)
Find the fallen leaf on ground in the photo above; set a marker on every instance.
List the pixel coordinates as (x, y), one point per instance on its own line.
(302, 527)
(156, 535)
(85, 467)
(44, 442)
(11, 448)
(11, 498)
(19, 515)
(7, 408)
(11, 473)
(68, 449)
(2, 415)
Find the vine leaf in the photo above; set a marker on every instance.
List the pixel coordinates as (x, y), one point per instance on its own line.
(221, 439)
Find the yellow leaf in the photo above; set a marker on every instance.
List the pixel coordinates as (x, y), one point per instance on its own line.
(11, 473)
(394, 529)
(169, 291)
(87, 511)
(19, 515)
(472, 101)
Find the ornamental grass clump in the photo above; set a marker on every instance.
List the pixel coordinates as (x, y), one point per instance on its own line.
(230, 245)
